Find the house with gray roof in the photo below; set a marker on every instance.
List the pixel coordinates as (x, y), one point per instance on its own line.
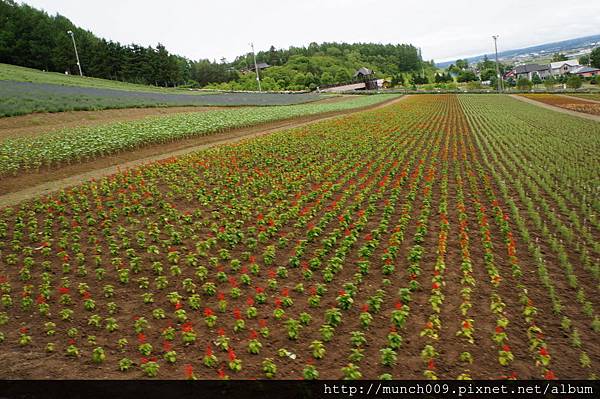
(363, 72)
(586, 72)
(545, 71)
(529, 70)
(563, 67)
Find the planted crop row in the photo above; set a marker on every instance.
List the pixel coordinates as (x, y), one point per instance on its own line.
(393, 243)
(83, 144)
(568, 102)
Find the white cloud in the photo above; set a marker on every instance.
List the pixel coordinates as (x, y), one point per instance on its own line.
(443, 29)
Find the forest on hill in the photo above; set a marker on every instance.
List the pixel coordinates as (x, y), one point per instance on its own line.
(32, 38)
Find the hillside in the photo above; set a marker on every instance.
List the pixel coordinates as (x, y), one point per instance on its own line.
(299, 68)
(23, 74)
(32, 38)
(540, 51)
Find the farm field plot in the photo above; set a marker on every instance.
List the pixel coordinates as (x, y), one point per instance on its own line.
(20, 98)
(587, 96)
(72, 145)
(40, 123)
(442, 236)
(568, 102)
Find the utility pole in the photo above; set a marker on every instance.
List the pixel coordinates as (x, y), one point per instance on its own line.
(70, 32)
(498, 77)
(256, 67)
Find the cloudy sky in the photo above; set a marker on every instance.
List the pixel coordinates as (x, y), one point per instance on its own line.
(224, 28)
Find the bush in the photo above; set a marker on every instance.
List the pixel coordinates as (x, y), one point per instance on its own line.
(549, 83)
(574, 82)
(524, 84)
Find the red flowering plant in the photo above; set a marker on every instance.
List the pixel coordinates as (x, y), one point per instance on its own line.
(344, 300)
(150, 366)
(505, 355)
(188, 372)
(234, 363)
(254, 345)
(263, 330)
(251, 311)
(188, 335)
(365, 317)
(467, 330)
(145, 348)
(209, 360)
(209, 317)
(222, 341)
(239, 323)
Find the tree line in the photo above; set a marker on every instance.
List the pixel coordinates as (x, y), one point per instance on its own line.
(318, 65)
(30, 37)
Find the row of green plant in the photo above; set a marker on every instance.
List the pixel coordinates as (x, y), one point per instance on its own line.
(494, 147)
(83, 144)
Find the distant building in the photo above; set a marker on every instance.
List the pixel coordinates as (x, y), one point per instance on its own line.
(260, 66)
(563, 67)
(366, 75)
(363, 79)
(553, 69)
(528, 71)
(363, 73)
(586, 72)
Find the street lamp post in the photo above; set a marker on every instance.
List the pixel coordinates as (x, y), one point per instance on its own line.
(499, 78)
(256, 68)
(70, 32)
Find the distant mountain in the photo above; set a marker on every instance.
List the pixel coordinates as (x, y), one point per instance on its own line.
(572, 46)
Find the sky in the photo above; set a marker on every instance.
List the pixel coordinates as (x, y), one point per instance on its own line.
(444, 30)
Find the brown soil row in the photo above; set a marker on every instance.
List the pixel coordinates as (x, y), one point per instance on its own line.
(20, 188)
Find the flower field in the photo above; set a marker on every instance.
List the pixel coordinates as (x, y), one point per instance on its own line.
(443, 236)
(587, 96)
(74, 145)
(572, 103)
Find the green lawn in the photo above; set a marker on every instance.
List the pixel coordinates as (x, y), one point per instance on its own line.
(21, 74)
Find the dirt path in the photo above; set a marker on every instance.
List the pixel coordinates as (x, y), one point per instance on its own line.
(557, 109)
(21, 188)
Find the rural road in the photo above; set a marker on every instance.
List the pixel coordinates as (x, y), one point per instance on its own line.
(557, 109)
(53, 185)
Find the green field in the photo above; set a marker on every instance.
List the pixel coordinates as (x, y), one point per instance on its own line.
(22, 74)
(80, 144)
(25, 91)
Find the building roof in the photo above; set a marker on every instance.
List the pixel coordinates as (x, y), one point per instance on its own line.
(363, 71)
(584, 69)
(559, 64)
(530, 68)
(260, 65)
